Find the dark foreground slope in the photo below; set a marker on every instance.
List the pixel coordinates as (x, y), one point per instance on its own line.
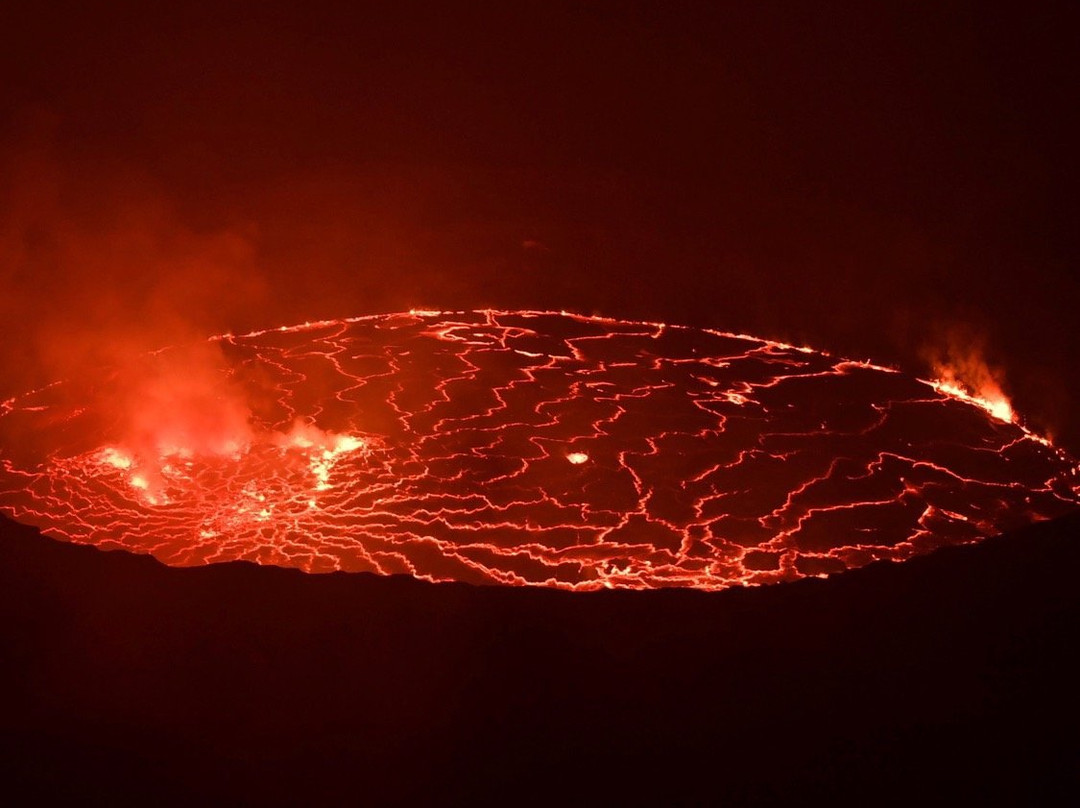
(952, 675)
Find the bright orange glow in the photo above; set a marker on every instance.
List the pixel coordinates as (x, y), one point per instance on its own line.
(989, 396)
(530, 448)
(961, 371)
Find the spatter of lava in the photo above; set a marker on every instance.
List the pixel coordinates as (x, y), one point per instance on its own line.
(550, 449)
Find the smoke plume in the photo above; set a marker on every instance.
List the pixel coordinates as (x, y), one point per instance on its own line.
(98, 271)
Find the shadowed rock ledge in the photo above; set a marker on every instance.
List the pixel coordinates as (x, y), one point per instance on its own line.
(949, 675)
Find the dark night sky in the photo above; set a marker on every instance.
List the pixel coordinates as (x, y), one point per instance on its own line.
(865, 178)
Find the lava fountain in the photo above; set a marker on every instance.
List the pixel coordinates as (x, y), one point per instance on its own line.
(543, 448)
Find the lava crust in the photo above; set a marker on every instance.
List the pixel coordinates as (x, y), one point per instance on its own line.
(540, 448)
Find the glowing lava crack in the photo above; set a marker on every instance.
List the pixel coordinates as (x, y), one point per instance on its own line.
(543, 448)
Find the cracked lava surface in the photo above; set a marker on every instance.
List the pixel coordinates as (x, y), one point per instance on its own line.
(542, 448)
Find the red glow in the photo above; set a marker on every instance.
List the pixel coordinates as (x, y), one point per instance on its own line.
(535, 448)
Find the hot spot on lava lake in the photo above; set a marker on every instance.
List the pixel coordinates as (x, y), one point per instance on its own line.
(538, 448)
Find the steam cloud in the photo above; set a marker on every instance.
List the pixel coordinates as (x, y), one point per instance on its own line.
(97, 271)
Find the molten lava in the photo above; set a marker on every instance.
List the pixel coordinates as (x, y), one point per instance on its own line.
(537, 448)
